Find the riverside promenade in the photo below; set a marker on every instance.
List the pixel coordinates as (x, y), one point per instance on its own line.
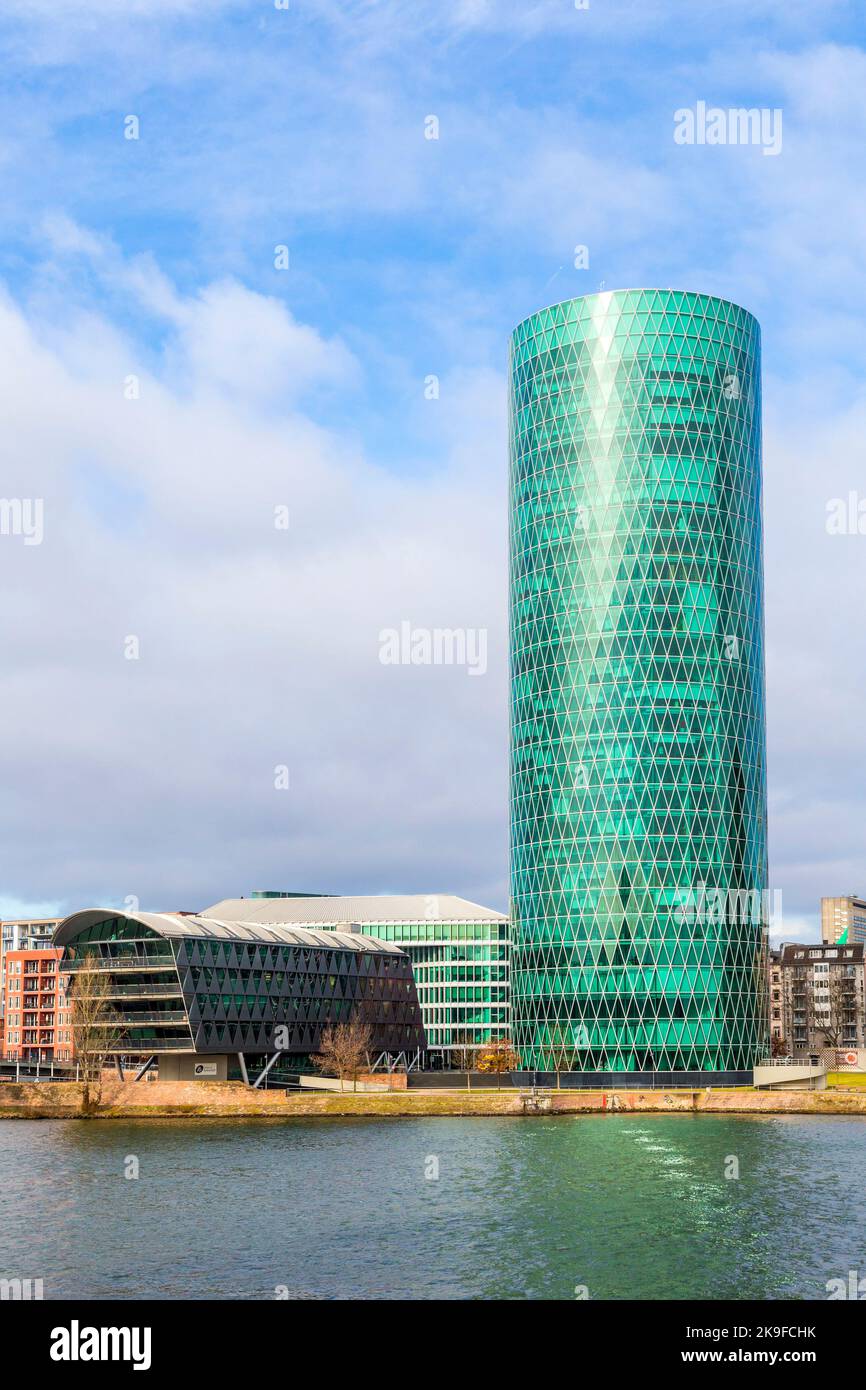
(227, 1100)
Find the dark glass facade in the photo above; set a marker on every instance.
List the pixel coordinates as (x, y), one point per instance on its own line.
(206, 987)
(638, 783)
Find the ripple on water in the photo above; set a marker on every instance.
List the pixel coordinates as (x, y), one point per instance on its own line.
(519, 1209)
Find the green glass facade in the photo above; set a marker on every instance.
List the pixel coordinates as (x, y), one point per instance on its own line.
(638, 781)
(461, 973)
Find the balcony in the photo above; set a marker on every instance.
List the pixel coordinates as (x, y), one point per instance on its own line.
(169, 1018)
(135, 1047)
(103, 966)
(154, 991)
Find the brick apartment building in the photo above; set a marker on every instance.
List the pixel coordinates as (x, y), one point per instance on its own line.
(37, 1020)
(23, 934)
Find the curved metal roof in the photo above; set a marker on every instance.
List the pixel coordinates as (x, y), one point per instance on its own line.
(174, 927)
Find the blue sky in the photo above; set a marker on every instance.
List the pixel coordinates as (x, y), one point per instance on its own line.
(408, 257)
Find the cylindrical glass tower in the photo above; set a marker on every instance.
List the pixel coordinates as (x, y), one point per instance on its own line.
(638, 781)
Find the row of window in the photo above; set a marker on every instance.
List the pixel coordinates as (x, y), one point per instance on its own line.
(18, 1035)
(457, 994)
(455, 932)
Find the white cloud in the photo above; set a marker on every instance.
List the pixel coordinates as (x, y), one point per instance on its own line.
(442, 245)
(257, 646)
(232, 340)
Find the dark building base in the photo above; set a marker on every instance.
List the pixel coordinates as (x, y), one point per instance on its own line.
(634, 1080)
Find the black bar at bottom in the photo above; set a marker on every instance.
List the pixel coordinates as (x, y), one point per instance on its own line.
(201, 1337)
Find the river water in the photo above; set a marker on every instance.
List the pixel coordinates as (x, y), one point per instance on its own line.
(618, 1206)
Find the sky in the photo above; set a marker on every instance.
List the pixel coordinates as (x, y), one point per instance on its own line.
(258, 269)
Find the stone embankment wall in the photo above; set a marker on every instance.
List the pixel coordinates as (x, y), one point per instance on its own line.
(227, 1100)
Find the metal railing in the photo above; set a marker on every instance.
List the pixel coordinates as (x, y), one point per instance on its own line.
(12, 1059)
(161, 991)
(108, 967)
(139, 1020)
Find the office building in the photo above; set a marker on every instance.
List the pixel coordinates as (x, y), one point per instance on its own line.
(843, 919)
(202, 997)
(638, 770)
(459, 953)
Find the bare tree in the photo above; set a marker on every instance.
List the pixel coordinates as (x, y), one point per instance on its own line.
(344, 1049)
(95, 1030)
(828, 1021)
(465, 1051)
